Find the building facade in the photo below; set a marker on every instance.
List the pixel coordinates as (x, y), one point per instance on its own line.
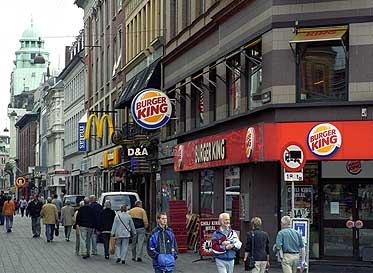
(251, 79)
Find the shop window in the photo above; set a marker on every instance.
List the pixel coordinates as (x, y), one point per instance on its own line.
(207, 193)
(198, 101)
(168, 188)
(322, 70)
(234, 84)
(174, 19)
(232, 194)
(182, 102)
(212, 86)
(254, 75)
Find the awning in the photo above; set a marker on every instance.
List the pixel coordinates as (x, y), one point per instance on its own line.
(149, 77)
(306, 35)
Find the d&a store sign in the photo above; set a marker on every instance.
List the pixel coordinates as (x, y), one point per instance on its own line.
(342, 140)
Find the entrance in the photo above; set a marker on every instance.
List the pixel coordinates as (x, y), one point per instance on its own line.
(347, 226)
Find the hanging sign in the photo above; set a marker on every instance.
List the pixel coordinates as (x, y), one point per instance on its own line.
(20, 181)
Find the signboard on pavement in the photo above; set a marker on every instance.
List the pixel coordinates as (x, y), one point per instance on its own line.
(207, 226)
(302, 226)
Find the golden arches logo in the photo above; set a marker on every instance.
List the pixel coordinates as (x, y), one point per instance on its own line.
(99, 125)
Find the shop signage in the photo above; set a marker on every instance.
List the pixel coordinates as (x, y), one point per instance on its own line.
(249, 142)
(292, 157)
(354, 167)
(303, 201)
(302, 226)
(99, 126)
(324, 140)
(20, 181)
(207, 227)
(359, 224)
(293, 176)
(137, 151)
(82, 126)
(210, 151)
(151, 109)
(111, 157)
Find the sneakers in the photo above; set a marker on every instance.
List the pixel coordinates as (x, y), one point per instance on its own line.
(139, 259)
(107, 257)
(117, 261)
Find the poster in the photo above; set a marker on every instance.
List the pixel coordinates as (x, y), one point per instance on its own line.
(302, 226)
(207, 227)
(303, 201)
(334, 207)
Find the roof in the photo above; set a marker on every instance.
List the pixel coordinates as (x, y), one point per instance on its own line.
(26, 119)
(31, 33)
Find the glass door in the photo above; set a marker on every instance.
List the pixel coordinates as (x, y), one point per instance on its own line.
(364, 222)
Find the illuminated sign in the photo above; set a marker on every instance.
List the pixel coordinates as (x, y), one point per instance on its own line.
(99, 125)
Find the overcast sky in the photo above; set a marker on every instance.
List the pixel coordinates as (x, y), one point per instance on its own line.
(58, 21)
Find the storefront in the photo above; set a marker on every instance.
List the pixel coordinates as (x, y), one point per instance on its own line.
(240, 172)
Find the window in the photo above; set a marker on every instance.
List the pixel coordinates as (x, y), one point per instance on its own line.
(232, 194)
(33, 56)
(119, 4)
(254, 69)
(33, 75)
(186, 14)
(212, 93)
(322, 70)
(171, 124)
(200, 7)
(174, 20)
(120, 37)
(234, 84)
(182, 118)
(207, 193)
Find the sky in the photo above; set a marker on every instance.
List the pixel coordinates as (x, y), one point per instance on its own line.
(58, 21)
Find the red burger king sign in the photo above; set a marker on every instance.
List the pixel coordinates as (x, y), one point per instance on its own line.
(151, 109)
(249, 142)
(324, 140)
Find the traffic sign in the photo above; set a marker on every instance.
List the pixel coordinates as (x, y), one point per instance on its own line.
(20, 181)
(293, 176)
(292, 157)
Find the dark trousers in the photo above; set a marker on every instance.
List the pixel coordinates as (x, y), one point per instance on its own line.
(1, 216)
(22, 211)
(106, 239)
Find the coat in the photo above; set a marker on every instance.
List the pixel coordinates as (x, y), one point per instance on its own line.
(67, 214)
(34, 209)
(49, 214)
(8, 208)
(119, 230)
(86, 217)
(106, 219)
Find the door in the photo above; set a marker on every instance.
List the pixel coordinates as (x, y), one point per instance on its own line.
(347, 226)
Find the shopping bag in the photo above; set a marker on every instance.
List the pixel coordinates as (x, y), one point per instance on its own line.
(112, 246)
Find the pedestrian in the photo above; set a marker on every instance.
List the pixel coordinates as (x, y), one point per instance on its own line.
(16, 205)
(122, 229)
(225, 244)
(9, 211)
(23, 205)
(86, 221)
(58, 203)
(257, 246)
(67, 214)
(105, 224)
(291, 243)
(97, 209)
(140, 220)
(50, 218)
(2, 200)
(33, 210)
(162, 246)
(77, 233)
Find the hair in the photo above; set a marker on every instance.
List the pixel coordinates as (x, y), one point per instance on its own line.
(160, 214)
(256, 222)
(55, 196)
(67, 202)
(9, 198)
(124, 207)
(224, 214)
(92, 198)
(138, 203)
(286, 220)
(81, 203)
(86, 200)
(49, 200)
(107, 204)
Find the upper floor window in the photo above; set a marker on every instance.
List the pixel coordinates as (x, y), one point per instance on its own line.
(234, 84)
(174, 19)
(200, 7)
(254, 74)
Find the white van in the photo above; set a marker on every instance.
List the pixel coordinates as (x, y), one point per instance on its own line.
(118, 198)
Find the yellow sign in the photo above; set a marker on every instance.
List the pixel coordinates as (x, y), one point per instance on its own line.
(111, 158)
(305, 35)
(99, 125)
(20, 181)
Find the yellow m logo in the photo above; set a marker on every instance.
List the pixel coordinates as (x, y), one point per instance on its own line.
(99, 125)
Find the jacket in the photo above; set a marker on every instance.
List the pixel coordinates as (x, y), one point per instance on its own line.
(139, 217)
(8, 208)
(2, 200)
(49, 214)
(86, 217)
(219, 250)
(162, 248)
(261, 244)
(58, 204)
(67, 213)
(119, 230)
(34, 209)
(106, 219)
(97, 208)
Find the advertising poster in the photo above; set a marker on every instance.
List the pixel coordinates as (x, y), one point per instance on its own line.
(303, 201)
(207, 226)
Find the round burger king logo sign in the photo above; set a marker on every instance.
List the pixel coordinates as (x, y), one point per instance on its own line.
(324, 140)
(249, 142)
(151, 109)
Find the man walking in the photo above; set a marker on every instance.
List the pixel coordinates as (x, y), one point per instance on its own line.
(162, 246)
(33, 210)
(2, 200)
(97, 208)
(291, 243)
(86, 222)
(58, 203)
(23, 205)
(50, 218)
(140, 220)
(225, 244)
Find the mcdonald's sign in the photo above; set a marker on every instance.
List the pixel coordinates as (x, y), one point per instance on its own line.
(99, 125)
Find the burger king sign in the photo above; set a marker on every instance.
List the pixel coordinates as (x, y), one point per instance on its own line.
(151, 109)
(324, 140)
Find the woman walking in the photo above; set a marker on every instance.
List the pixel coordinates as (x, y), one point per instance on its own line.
(8, 212)
(122, 228)
(105, 224)
(67, 214)
(257, 246)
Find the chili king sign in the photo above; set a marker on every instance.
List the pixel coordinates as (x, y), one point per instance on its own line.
(151, 109)
(207, 226)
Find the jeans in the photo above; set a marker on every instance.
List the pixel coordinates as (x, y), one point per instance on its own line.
(1, 216)
(106, 238)
(121, 248)
(138, 243)
(289, 263)
(156, 270)
(77, 241)
(49, 231)
(94, 243)
(224, 266)
(68, 232)
(35, 223)
(85, 240)
(9, 222)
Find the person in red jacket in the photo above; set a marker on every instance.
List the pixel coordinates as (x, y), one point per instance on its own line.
(8, 212)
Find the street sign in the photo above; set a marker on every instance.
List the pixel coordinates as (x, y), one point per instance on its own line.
(293, 176)
(20, 181)
(302, 226)
(292, 157)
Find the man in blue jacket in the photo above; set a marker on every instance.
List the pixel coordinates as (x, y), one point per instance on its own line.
(162, 246)
(225, 244)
